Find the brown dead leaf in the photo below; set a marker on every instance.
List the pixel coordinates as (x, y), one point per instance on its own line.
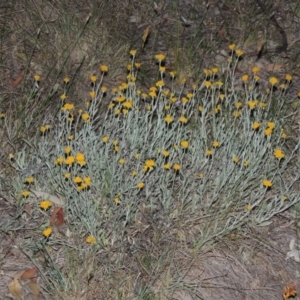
(145, 35)
(288, 292)
(15, 287)
(17, 81)
(260, 45)
(57, 217)
(34, 287)
(29, 273)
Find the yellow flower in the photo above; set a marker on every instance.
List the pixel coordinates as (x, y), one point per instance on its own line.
(47, 232)
(2, 115)
(92, 94)
(245, 78)
(249, 207)
(160, 57)
(251, 104)
(103, 89)
(160, 83)
(59, 160)
(262, 105)
(235, 159)
(255, 69)
(173, 74)
(184, 144)
(122, 161)
(134, 173)
(176, 167)
(268, 131)
(216, 144)
(117, 200)
(238, 104)
(68, 106)
(165, 153)
(128, 104)
(70, 137)
(278, 153)
(93, 78)
(201, 175)
(105, 139)
(66, 80)
(183, 119)
(271, 125)
(167, 166)
(68, 150)
(140, 185)
(288, 77)
(283, 135)
(239, 52)
(273, 80)
(267, 183)
(63, 96)
(283, 86)
(104, 68)
(37, 77)
(246, 163)
(137, 65)
(120, 98)
(25, 194)
(132, 52)
(256, 77)
(152, 94)
(67, 175)
(237, 113)
(215, 70)
(232, 46)
(207, 72)
(45, 204)
(208, 152)
(30, 179)
(80, 159)
(149, 164)
(69, 160)
(200, 108)
(162, 70)
(168, 119)
(77, 180)
(87, 180)
(91, 239)
(184, 100)
(207, 84)
(85, 117)
(255, 125)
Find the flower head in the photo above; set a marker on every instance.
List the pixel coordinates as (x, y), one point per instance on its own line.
(278, 153)
(30, 179)
(91, 239)
(140, 185)
(45, 204)
(216, 144)
(160, 57)
(267, 183)
(184, 144)
(168, 119)
(47, 232)
(25, 194)
(104, 68)
(273, 80)
(176, 167)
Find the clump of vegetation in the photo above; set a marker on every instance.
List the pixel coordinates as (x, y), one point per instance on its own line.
(207, 158)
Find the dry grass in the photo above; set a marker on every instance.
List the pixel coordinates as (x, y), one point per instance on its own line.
(65, 38)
